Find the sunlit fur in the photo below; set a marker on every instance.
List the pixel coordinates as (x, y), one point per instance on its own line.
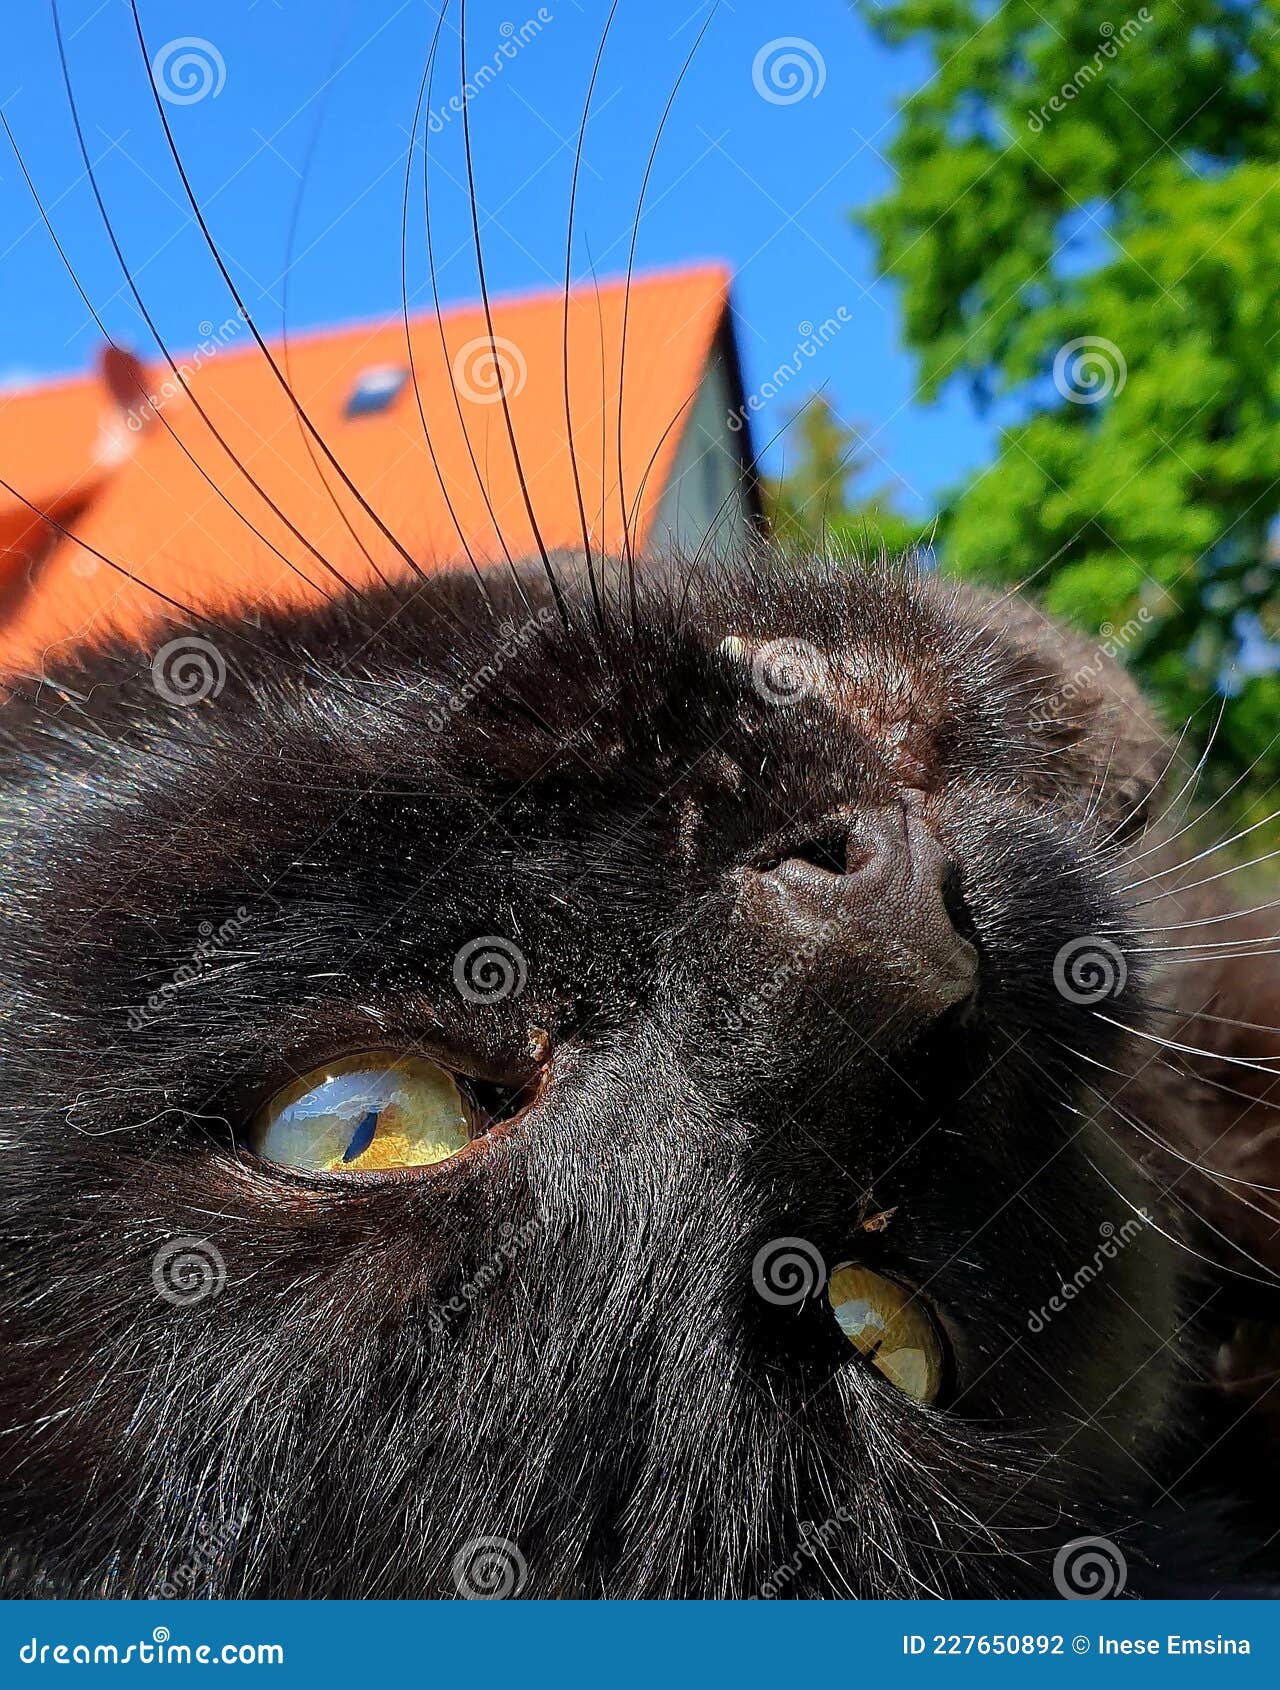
(376, 785)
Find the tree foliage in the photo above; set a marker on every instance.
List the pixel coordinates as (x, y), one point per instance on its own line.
(1085, 229)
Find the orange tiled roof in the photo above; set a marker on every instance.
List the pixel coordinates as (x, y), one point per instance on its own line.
(178, 518)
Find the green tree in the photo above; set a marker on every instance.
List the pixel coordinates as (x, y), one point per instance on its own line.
(819, 499)
(1085, 229)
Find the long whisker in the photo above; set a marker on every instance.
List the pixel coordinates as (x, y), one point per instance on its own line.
(1099, 788)
(196, 617)
(1222, 1267)
(481, 482)
(1263, 1100)
(604, 404)
(1188, 785)
(186, 610)
(1209, 851)
(713, 527)
(1218, 947)
(1186, 1014)
(1207, 920)
(628, 552)
(190, 612)
(423, 86)
(556, 591)
(568, 269)
(1223, 956)
(295, 218)
(1180, 890)
(1190, 1050)
(109, 228)
(216, 254)
(1223, 1181)
(1270, 1278)
(1152, 1137)
(653, 456)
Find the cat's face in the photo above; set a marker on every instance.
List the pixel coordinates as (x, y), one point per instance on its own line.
(747, 913)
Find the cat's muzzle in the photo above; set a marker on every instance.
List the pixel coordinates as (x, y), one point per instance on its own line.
(883, 893)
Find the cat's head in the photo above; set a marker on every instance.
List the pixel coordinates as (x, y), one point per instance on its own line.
(752, 915)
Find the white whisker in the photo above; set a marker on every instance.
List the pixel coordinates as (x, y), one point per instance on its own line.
(1201, 855)
(1199, 818)
(1210, 920)
(1189, 1050)
(1172, 891)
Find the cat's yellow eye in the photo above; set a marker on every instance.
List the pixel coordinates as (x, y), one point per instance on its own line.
(376, 1111)
(889, 1326)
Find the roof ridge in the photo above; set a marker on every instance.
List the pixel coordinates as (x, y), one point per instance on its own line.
(322, 333)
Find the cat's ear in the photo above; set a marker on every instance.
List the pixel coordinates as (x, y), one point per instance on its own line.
(1071, 697)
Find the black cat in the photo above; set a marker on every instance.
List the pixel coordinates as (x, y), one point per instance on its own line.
(790, 933)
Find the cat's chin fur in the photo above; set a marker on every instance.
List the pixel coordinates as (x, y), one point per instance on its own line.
(560, 1343)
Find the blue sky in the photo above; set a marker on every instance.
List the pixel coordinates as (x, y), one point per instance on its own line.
(318, 95)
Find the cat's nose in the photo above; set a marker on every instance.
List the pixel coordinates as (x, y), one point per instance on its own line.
(882, 886)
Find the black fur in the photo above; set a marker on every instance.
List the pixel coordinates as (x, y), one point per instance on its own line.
(558, 1342)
